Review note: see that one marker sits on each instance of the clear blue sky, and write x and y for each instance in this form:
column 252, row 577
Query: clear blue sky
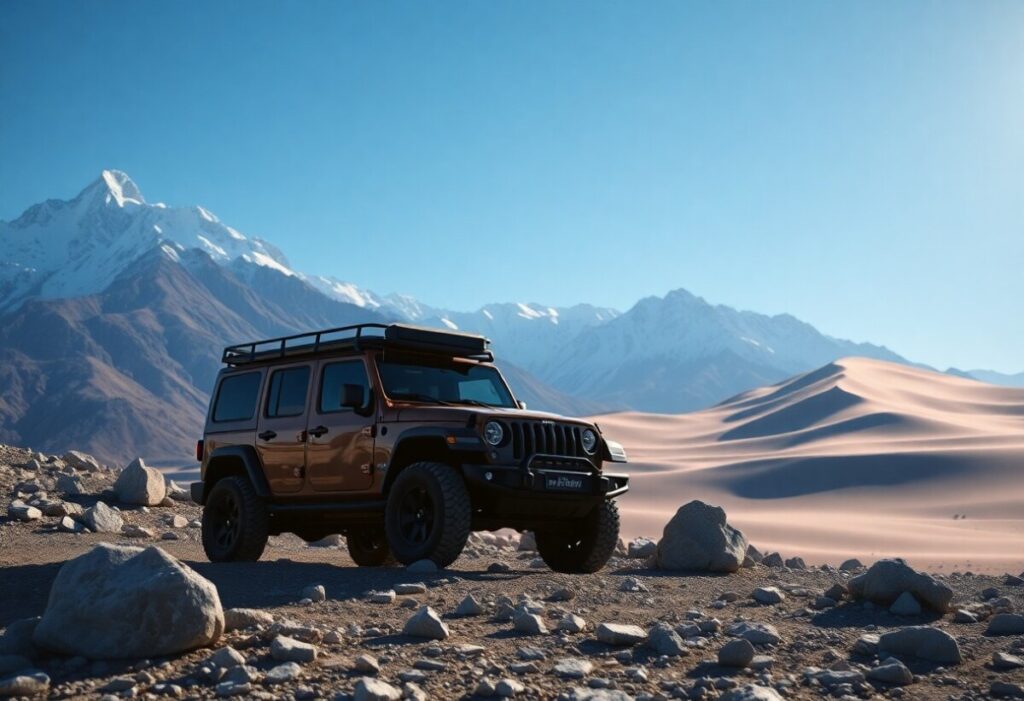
column 857, row 164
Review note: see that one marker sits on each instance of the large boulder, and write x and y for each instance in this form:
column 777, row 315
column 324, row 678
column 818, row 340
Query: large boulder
column 138, row 484
column 922, row 642
column 125, row 602
column 886, row 580
column 698, row 538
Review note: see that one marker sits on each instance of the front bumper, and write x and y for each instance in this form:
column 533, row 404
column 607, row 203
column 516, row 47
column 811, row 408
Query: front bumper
column 546, row 481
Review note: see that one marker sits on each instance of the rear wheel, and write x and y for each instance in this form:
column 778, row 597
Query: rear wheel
column 428, row 514
column 368, row 547
column 235, row 522
column 584, row 548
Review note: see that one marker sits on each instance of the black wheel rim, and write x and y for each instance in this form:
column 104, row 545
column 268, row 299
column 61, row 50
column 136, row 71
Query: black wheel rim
column 416, row 516
column 227, row 522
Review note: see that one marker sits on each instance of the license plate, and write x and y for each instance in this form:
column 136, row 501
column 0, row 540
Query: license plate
column 565, row 483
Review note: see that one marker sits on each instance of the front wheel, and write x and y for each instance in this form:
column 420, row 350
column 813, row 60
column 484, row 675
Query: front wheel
column 368, row 547
column 586, row 547
column 428, row 514
column 235, row 522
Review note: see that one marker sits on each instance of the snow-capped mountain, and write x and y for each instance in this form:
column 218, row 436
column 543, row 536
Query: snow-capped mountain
column 59, row 249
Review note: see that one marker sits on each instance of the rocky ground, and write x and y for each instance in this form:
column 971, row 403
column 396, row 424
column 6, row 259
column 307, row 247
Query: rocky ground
column 304, row 622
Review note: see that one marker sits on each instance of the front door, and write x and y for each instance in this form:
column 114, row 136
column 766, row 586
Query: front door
column 280, row 437
column 340, row 439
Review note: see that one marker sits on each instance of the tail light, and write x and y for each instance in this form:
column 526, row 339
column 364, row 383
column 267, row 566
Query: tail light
column 199, row 450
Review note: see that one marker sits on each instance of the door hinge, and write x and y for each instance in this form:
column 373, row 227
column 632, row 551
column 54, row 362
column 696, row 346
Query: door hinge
column 370, row 430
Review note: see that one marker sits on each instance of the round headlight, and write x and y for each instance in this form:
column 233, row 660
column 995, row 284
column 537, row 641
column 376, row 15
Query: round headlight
column 589, row 440
column 493, row 433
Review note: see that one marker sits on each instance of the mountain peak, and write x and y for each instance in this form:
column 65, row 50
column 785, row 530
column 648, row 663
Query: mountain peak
column 113, row 187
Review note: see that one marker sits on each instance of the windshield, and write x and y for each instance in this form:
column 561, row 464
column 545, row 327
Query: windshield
column 435, row 382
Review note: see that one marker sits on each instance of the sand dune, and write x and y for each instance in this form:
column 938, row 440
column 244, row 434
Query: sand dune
column 860, row 458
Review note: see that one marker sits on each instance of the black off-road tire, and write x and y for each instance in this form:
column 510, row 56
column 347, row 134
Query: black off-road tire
column 368, row 547
column 441, row 534
column 235, row 522
column 583, row 549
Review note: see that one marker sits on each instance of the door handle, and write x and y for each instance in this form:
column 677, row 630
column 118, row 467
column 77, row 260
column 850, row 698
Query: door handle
column 318, row 431
column 268, row 435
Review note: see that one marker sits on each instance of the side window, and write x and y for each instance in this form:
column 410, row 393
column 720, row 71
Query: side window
column 337, row 375
column 287, row 394
column 236, row 397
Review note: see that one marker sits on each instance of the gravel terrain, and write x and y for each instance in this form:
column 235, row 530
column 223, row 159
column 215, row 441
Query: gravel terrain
column 538, row 634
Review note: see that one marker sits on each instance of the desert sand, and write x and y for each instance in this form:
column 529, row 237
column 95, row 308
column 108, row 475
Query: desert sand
column 860, row 458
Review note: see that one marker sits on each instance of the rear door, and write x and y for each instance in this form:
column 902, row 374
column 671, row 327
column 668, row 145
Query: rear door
column 280, row 437
column 340, row 439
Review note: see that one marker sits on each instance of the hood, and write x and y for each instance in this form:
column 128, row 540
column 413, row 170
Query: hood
column 462, row 414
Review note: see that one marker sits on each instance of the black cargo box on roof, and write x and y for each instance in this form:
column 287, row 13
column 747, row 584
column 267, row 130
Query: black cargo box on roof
column 403, row 334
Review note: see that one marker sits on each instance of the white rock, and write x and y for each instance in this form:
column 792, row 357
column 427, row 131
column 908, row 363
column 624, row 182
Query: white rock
column 315, row 593
column 422, row 567
column 367, row 664
column 81, row 461
column 69, row 484
column 26, row 683
column 425, row 623
column 369, row 689
column 751, row 692
column 124, row 602
column 283, row 673
column 469, row 607
column 288, row 649
column 238, row 618
column 620, row 634
column 226, row 658
column 891, row 672
column 529, row 623
column 905, row 605
column 100, row 518
column 20, row 511
column 381, row 597
column 571, row 623
column 138, row 484
column 736, row 653
column 664, row 640
column 757, row 633
column 132, row 530
column 768, row 595
column 573, row 667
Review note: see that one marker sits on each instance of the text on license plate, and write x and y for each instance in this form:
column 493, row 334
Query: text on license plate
column 566, row 482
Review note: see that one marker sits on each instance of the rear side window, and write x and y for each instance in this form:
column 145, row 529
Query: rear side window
column 236, row 398
column 287, row 395
column 334, row 377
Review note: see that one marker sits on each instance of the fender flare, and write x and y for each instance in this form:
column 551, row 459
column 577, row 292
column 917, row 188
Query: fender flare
column 224, row 461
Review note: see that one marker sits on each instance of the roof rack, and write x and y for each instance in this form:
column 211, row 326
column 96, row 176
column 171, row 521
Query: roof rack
column 357, row 337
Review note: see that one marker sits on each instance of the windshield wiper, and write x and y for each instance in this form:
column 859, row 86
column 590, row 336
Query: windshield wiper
column 476, row 402
column 420, row 398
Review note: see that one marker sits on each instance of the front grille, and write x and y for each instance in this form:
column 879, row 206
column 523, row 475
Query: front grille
column 547, row 438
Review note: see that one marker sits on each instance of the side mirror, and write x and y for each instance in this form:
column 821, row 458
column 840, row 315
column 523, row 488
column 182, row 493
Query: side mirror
column 353, row 397
column 522, row 404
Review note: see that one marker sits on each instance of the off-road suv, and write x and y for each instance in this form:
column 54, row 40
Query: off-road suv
column 405, row 440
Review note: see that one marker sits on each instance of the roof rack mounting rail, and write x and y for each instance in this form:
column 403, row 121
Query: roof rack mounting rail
column 355, row 337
